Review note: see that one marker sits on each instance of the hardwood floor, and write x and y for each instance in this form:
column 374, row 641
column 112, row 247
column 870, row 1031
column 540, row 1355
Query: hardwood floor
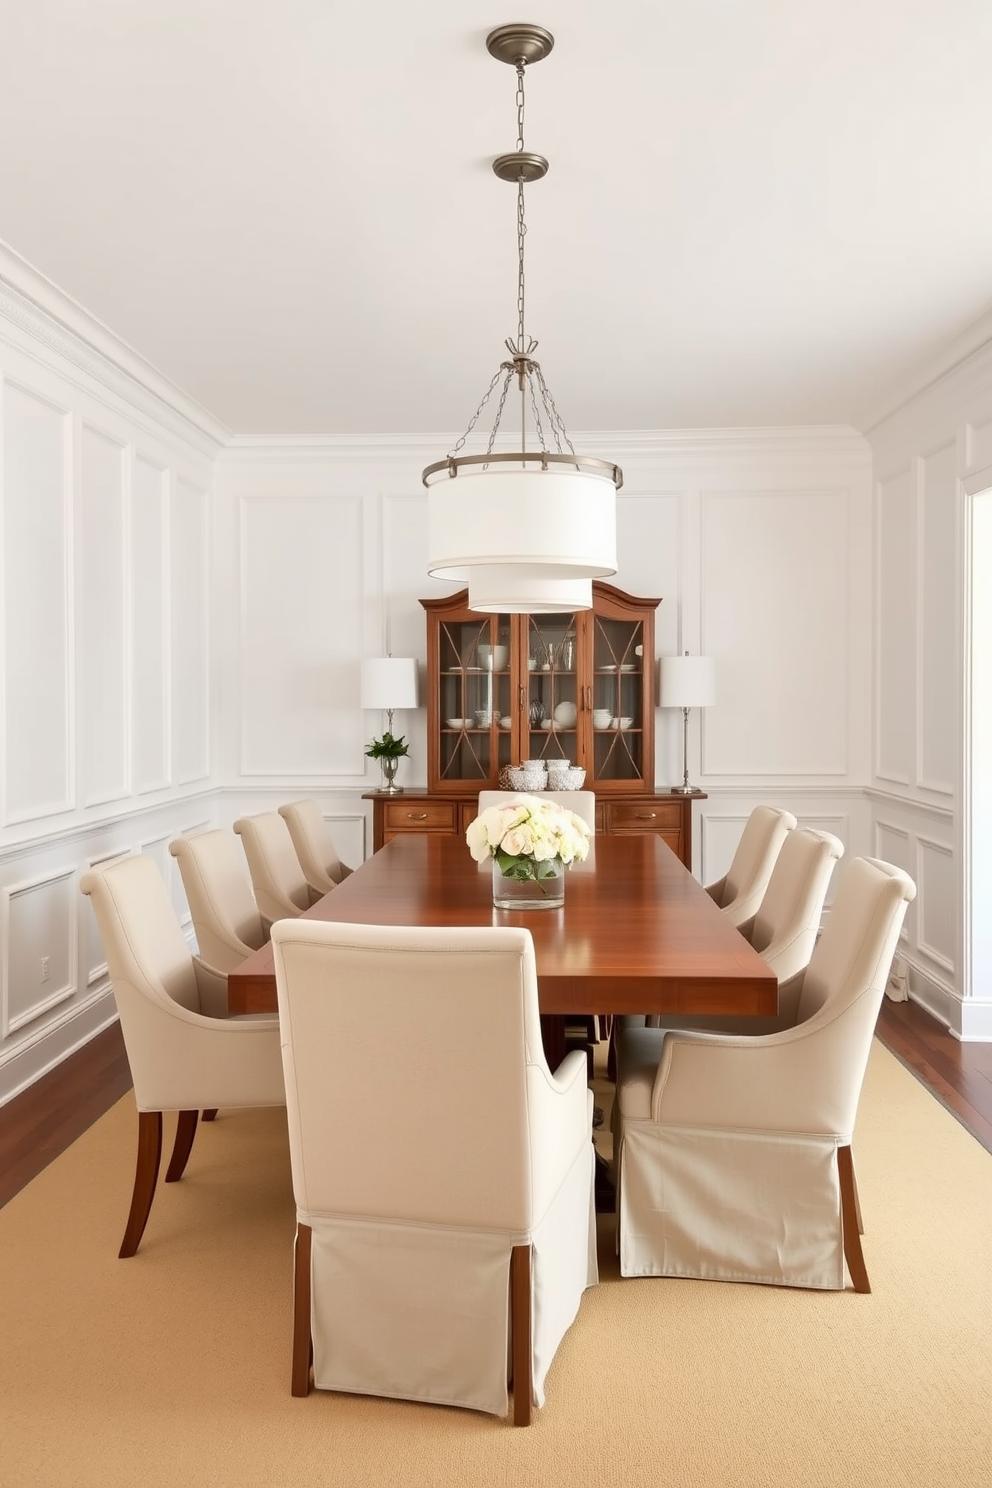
column 47, row 1118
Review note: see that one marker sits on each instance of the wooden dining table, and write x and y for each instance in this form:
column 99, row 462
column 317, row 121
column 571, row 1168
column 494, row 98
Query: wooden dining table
column 637, row 933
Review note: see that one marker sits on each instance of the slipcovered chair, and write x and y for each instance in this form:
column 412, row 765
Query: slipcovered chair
column 226, row 920
column 466, row 1176
column 322, row 868
column 784, row 930
column 733, row 1158
column 583, row 803
column 184, row 1053
column 739, row 892
column 281, row 891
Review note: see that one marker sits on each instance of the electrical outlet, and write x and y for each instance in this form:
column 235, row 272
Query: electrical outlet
column 44, row 968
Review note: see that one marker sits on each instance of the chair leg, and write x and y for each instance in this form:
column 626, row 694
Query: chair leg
column 183, row 1145
column 145, row 1179
column 520, row 1322
column 849, row 1210
column 210, row 1115
column 302, row 1349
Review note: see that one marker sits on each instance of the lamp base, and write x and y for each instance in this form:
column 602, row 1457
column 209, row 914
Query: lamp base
column 685, row 790
column 389, row 790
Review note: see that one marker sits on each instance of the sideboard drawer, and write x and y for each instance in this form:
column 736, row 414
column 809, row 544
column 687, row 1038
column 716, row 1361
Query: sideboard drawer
column 419, row 816
column 651, row 816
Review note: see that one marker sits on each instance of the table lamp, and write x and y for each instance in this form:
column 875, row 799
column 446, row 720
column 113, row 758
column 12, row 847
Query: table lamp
column 686, row 682
column 389, row 682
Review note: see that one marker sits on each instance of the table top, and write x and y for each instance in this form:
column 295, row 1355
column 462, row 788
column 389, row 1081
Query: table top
column 637, row 934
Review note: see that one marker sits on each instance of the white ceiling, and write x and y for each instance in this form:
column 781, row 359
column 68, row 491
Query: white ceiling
column 757, row 212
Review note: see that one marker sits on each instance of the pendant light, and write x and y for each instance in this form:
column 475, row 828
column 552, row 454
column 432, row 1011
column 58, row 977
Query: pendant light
column 528, row 531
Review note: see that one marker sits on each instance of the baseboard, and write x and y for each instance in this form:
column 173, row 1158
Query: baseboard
column 33, row 1060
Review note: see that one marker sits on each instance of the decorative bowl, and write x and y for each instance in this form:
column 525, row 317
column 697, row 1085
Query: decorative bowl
column 454, row 723
column 565, row 715
column 494, row 658
column 506, row 722
column 483, row 717
column 601, row 718
column 575, row 778
column 621, row 723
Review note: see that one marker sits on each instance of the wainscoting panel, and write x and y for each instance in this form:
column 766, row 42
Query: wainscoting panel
column 190, row 635
column 939, row 729
column 778, row 622
column 38, row 753
column 301, row 604
column 102, row 608
column 38, row 924
column 150, row 636
column 936, row 880
column 895, row 668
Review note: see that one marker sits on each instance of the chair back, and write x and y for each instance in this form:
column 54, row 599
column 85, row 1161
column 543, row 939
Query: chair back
column 280, row 888
column 583, row 803
column 226, row 920
column 747, row 877
column 441, row 1029
column 788, row 919
column 314, row 845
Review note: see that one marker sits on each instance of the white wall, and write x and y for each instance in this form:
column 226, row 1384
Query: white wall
column 106, row 713
column 931, row 459
column 756, row 541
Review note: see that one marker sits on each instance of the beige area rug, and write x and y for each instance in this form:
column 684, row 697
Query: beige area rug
column 173, row 1368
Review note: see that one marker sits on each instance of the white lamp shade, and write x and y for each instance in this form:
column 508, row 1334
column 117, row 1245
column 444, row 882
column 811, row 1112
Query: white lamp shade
column 389, row 682
column 499, row 589
column 687, row 682
column 559, row 522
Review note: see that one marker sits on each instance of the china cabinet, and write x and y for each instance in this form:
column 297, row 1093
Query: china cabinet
column 505, row 688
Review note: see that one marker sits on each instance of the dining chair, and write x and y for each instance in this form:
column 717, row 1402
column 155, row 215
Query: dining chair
column 740, row 890
column 226, row 921
column 784, row 931
column 733, row 1153
column 281, row 890
column 318, row 857
column 184, row 1053
column 583, row 803
column 466, row 1175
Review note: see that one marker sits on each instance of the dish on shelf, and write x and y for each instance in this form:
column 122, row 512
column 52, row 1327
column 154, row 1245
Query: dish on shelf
column 494, row 658
column 549, row 725
column 628, row 666
column 474, row 669
column 620, row 723
column 601, row 718
column 455, row 723
column 506, row 722
column 610, row 666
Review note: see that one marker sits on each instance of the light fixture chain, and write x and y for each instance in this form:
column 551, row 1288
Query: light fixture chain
column 502, row 401
column 521, row 224
column 535, row 409
column 477, row 414
column 556, row 418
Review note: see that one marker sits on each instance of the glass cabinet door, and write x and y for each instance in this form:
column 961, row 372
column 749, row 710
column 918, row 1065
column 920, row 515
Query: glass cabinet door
column 618, row 703
column 550, row 662
column 474, row 698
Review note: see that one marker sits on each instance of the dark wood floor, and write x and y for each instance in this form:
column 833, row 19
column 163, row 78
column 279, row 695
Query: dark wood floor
column 36, row 1126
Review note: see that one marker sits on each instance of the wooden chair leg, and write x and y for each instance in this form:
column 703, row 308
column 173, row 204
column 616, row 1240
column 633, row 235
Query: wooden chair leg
column 210, row 1115
column 849, row 1210
column 520, row 1322
column 145, row 1179
column 302, row 1349
column 183, row 1145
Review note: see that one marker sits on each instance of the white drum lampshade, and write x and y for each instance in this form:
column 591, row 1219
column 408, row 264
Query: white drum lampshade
column 389, row 682
column 498, row 589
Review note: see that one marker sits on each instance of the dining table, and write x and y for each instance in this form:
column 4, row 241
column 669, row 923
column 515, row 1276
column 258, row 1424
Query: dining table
column 637, row 933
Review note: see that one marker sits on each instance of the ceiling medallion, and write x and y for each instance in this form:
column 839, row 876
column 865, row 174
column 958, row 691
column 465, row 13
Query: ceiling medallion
column 527, row 530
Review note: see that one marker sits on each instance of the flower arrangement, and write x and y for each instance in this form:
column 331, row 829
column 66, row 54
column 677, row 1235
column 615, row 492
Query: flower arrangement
column 530, row 838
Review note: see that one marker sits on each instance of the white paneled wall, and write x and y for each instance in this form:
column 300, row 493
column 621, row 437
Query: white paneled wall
column 105, row 639
column 932, row 459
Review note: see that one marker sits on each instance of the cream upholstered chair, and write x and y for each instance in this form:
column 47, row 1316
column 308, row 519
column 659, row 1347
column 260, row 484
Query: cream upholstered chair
column 185, row 1054
column 322, row 868
column 467, row 1171
column 583, row 803
column 734, row 1153
column 784, row 930
column 226, row 920
column 281, row 891
column 739, row 892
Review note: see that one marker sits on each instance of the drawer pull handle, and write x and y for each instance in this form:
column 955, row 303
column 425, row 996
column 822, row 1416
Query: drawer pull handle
column 646, row 815
column 416, row 816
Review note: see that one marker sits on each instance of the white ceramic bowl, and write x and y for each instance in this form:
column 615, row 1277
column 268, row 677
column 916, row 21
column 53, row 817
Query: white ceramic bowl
column 506, row 723
column 601, row 718
column 454, row 723
column 574, row 778
column 494, row 658
column 621, row 723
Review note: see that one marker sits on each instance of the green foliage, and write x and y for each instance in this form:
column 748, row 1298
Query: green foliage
column 388, row 747
column 526, row 868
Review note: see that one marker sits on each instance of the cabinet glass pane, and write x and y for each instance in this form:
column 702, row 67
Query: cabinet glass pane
column 473, row 698
column 552, row 687
column 618, row 699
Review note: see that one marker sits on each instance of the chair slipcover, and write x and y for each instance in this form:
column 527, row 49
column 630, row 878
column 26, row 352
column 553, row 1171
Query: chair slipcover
column 184, row 1053
column 281, row 890
column 583, row 803
column 733, row 1152
column 226, row 921
column 318, row 857
column 422, row 1159
column 739, row 892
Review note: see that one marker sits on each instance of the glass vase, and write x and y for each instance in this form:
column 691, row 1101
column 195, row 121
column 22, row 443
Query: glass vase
column 530, row 891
